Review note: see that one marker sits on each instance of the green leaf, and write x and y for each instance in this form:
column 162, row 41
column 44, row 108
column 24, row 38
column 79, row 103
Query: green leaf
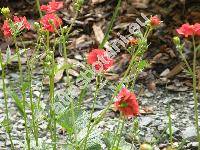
column 8, row 55
column 66, row 120
column 198, row 48
column 95, row 146
column 18, row 102
column 6, row 124
column 25, row 86
column 142, row 64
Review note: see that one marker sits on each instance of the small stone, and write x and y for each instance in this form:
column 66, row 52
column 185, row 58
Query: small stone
column 36, row 93
column 1, row 95
column 189, row 133
column 20, row 127
column 148, row 94
column 146, row 121
column 2, row 144
column 193, row 144
column 78, row 57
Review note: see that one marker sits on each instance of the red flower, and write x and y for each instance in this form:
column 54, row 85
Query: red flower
column 99, row 60
column 50, row 22
column 127, row 103
column 23, row 20
column 52, row 7
column 196, row 27
column 155, row 21
column 186, row 30
column 6, row 29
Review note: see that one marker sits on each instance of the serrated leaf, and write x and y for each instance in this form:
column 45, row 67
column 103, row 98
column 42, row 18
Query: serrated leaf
column 66, row 120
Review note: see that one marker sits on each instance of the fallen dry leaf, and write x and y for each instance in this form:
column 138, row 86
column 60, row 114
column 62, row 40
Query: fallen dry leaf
column 146, row 110
column 165, row 72
column 177, row 69
column 99, row 35
column 94, row 2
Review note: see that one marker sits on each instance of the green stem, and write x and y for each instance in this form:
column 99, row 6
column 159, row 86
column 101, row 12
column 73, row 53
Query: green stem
column 6, row 101
column 38, row 7
column 170, row 124
column 186, row 63
column 35, row 127
column 105, row 39
column 116, row 134
column 51, row 105
column 92, row 111
column 51, row 86
column 64, row 39
column 195, row 93
column 120, row 133
column 23, row 93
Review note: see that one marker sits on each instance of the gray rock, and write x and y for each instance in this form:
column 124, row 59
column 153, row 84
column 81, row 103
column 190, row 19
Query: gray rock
column 78, row 57
column 2, row 144
column 20, row 127
column 146, row 121
column 189, row 133
column 193, row 144
column 148, row 94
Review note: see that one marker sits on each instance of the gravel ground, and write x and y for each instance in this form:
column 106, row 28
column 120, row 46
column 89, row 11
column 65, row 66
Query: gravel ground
column 151, row 125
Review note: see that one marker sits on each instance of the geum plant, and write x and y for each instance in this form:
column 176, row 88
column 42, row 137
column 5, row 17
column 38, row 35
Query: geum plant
column 13, row 28
column 80, row 125
column 192, row 32
column 126, row 101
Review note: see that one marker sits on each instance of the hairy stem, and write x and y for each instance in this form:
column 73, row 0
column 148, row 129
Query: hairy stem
column 120, row 133
column 105, row 39
column 23, row 93
column 6, row 101
column 195, row 93
column 92, row 111
column 38, row 7
column 170, row 124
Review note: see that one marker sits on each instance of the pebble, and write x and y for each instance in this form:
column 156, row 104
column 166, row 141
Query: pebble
column 189, row 133
column 149, row 94
column 78, row 57
column 145, row 121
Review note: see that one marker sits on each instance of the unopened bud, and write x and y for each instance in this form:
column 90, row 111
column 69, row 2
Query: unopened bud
column 5, row 11
column 65, row 29
column 176, row 40
column 78, row 4
column 36, row 25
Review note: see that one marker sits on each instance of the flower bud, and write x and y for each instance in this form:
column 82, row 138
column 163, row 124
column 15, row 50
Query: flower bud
column 176, row 40
column 5, row 11
column 36, row 25
column 65, row 29
column 78, row 4
column 155, row 21
column 146, row 147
